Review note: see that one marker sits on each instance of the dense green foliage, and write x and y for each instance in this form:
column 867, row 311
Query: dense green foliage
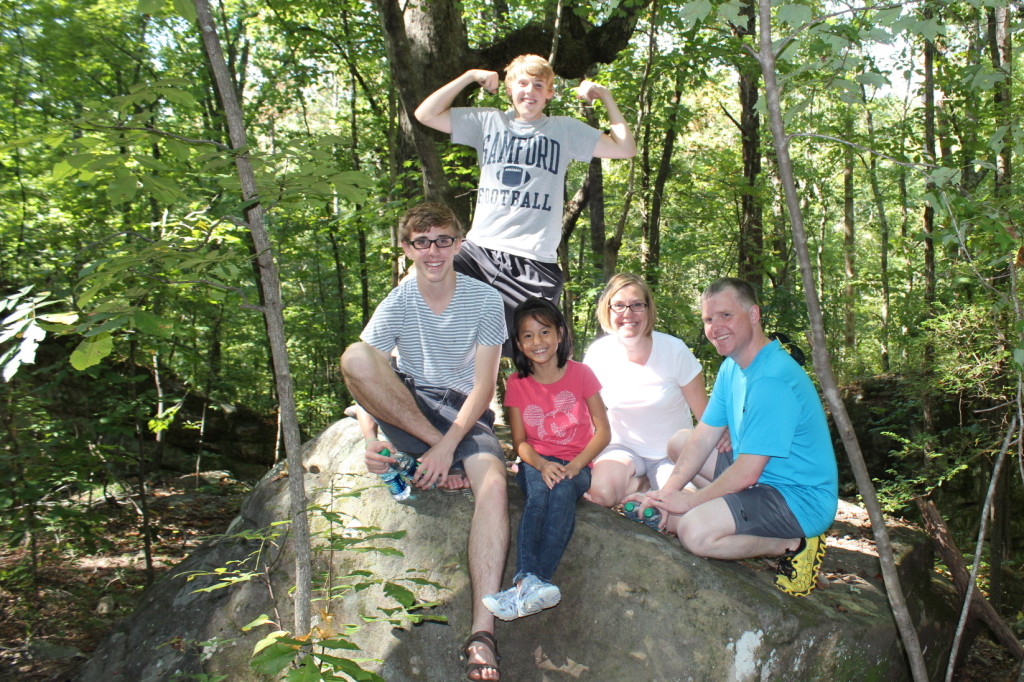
column 121, row 252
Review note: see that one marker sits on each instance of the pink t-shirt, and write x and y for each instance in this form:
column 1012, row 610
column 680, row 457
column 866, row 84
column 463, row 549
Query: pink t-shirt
column 556, row 416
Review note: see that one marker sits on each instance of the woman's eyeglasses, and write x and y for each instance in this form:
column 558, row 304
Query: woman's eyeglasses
column 621, row 307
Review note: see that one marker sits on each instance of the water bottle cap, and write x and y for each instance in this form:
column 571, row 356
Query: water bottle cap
column 649, row 512
column 630, row 506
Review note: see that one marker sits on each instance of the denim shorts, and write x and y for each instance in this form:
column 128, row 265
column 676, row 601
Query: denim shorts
column 440, row 406
column 760, row 510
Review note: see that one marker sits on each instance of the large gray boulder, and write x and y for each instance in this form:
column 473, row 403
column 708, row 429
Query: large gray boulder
column 635, row 605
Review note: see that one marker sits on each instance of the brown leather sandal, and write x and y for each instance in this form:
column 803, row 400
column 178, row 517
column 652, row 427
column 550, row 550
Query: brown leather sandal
column 487, row 640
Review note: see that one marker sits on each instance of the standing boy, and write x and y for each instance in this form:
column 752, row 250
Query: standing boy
column 448, row 330
column 523, row 156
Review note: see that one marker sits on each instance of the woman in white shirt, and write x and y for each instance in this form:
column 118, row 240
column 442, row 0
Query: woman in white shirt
column 651, row 382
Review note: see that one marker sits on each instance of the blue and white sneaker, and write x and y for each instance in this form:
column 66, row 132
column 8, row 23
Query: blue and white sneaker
column 504, row 604
column 535, row 595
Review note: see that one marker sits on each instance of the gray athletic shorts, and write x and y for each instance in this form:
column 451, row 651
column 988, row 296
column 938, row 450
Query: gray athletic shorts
column 759, row 510
column 516, row 278
column 440, row 406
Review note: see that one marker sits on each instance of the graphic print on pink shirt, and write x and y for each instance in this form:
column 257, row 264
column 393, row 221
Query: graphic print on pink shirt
column 559, row 425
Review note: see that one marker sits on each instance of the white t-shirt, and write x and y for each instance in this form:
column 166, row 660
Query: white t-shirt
column 645, row 402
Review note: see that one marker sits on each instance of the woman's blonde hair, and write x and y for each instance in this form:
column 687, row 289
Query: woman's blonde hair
column 616, row 284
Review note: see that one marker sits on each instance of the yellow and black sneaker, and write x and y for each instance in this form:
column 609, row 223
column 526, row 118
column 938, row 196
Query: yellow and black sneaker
column 797, row 573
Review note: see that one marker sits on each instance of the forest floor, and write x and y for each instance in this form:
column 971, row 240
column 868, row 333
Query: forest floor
column 49, row 629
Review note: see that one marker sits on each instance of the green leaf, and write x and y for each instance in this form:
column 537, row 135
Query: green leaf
column 309, row 671
column 176, row 148
column 695, row 12
column 62, row 170
column 177, row 96
column 163, row 189
column 262, row 619
column 944, row 176
column 274, row 658
column 872, row 78
column 148, row 323
column 150, row 6
column 186, row 9
column 122, row 189
column 60, row 318
column 400, row 594
column 731, row 12
column 795, row 14
column 91, row 351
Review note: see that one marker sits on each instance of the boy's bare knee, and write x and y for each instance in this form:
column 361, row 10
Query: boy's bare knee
column 354, row 360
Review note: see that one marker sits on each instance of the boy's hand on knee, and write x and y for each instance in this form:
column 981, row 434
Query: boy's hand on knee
column 434, row 466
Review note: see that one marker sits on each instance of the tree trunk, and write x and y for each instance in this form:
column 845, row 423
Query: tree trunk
column 883, row 225
column 1001, row 50
column 822, row 362
column 928, row 223
column 273, row 315
column 849, row 244
column 426, row 40
column 658, row 191
column 751, row 242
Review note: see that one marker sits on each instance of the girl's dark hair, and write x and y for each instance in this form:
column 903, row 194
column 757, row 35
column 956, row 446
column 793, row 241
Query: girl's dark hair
column 547, row 312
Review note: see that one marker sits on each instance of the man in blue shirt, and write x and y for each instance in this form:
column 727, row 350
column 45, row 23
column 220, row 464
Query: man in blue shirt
column 778, row 495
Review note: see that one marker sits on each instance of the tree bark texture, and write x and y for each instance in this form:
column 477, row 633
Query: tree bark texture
column 980, row 607
column 822, row 362
column 751, row 241
column 272, row 312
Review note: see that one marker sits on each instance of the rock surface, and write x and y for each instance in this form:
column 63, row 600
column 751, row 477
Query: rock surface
column 635, row 605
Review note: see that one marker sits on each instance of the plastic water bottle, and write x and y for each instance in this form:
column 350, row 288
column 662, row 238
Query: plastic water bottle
column 651, row 515
column 407, row 464
column 393, row 478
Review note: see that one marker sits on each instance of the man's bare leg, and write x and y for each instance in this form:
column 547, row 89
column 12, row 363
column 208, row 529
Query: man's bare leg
column 488, row 542
column 709, row 531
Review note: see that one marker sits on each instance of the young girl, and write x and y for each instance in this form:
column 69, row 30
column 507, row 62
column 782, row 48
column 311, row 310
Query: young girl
column 558, row 426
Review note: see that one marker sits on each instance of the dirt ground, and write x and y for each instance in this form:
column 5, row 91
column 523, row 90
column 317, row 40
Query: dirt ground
column 49, row 629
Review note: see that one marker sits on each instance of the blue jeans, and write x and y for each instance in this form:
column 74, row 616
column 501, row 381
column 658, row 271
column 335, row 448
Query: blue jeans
column 549, row 518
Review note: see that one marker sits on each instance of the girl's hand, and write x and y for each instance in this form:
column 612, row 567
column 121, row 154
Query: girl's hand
column 552, row 472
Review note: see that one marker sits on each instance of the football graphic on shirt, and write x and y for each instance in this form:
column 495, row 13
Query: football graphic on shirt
column 513, row 176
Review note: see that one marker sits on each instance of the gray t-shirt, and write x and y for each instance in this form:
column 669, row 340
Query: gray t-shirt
column 522, row 176
column 438, row 350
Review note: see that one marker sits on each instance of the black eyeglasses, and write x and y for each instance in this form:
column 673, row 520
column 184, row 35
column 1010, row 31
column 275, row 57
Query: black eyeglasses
column 621, row 307
column 422, row 243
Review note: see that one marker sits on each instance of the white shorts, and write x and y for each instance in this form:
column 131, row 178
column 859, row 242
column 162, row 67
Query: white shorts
column 656, row 471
